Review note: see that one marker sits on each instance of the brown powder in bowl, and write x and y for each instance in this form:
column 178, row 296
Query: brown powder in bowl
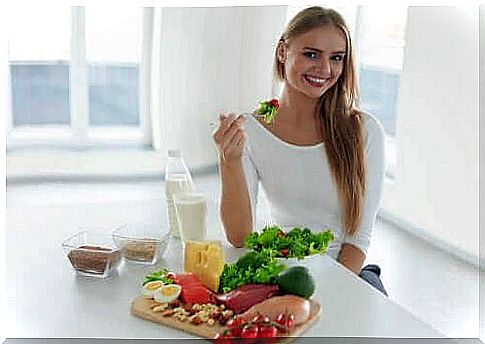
column 94, row 259
column 143, row 251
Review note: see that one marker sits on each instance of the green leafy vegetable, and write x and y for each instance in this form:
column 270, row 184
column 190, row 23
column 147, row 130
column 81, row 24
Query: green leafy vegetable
column 297, row 243
column 251, row 268
column 251, row 259
column 268, row 109
column 160, row 275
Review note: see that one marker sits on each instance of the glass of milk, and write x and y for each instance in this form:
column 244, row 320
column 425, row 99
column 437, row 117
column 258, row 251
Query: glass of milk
column 175, row 184
column 177, row 179
column 191, row 210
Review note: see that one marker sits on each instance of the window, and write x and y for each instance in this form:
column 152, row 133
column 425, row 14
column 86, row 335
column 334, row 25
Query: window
column 381, row 49
column 39, row 66
column 75, row 76
column 113, row 54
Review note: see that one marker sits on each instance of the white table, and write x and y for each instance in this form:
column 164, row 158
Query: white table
column 45, row 298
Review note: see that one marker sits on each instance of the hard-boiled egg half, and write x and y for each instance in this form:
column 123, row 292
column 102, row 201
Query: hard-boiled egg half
column 150, row 288
column 167, row 293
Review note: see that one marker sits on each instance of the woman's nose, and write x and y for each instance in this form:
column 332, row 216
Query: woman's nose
column 325, row 67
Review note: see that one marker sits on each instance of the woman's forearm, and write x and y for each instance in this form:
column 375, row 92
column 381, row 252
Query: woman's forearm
column 351, row 257
column 235, row 203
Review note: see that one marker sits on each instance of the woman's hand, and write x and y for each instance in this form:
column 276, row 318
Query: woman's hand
column 230, row 137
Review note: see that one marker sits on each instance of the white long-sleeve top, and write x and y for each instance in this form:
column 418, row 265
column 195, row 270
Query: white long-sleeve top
column 299, row 186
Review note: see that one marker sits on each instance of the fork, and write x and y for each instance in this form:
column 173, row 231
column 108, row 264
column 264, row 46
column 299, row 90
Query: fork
column 245, row 114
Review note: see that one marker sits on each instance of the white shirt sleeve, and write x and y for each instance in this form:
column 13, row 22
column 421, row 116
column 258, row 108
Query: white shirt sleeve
column 252, row 179
column 375, row 164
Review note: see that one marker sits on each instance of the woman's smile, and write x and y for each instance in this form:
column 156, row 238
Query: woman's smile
column 315, row 81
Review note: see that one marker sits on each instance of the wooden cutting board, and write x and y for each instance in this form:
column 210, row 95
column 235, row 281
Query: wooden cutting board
column 141, row 307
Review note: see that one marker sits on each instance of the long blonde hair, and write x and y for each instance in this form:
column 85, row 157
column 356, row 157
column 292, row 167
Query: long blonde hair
column 341, row 120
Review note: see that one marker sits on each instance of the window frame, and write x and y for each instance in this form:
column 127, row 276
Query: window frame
column 79, row 134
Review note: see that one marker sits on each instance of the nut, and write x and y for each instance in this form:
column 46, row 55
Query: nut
column 168, row 313
column 227, row 313
column 180, row 310
column 196, row 320
column 160, row 308
column 215, row 314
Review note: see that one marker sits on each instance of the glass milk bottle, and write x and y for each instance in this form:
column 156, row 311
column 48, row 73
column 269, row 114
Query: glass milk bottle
column 177, row 180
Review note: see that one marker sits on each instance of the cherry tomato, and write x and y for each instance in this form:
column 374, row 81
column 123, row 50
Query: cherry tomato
column 258, row 318
column 236, row 325
column 267, row 332
column 281, row 319
column 223, row 338
column 290, row 321
column 250, row 331
column 275, row 103
column 284, row 252
column 235, row 322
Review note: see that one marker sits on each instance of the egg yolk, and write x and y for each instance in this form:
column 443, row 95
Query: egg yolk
column 154, row 286
column 169, row 291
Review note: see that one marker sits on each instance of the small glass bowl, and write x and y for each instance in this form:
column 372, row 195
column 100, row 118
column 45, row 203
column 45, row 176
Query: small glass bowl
column 141, row 243
column 92, row 254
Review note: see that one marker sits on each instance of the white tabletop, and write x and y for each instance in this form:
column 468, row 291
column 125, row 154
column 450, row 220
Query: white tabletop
column 45, row 298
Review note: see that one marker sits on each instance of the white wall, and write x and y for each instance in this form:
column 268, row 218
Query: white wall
column 211, row 59
column 262, row 27
column 436, row 186
column 482, row 172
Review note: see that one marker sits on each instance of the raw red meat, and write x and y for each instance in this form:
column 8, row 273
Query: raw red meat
column 246, row 296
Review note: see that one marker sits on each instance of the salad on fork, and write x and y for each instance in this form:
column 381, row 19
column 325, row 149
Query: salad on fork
column 267, row 110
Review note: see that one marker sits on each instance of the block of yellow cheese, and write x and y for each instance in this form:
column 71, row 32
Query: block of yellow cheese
column 205, row 260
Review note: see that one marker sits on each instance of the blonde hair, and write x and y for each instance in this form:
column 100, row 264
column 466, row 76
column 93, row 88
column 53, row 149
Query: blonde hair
column 341, row 120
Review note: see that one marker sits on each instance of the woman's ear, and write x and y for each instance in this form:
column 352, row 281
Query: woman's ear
column 281, row 52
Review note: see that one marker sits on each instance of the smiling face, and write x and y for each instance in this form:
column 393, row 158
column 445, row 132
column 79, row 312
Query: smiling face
column 313, row 61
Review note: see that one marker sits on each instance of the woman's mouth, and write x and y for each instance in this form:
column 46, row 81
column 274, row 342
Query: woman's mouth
column 314, row 80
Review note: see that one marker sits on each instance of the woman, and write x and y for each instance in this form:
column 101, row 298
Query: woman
column 321, row 161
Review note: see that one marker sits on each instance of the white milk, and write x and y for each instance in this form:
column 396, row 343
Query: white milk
column 191, row 211
column 175, row 183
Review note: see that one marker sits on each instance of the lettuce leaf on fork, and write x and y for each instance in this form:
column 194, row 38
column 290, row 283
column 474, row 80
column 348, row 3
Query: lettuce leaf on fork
column 268, row 109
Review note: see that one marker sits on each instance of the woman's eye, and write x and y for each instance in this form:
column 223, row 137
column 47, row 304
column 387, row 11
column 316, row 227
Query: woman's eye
column 310, row 54
column 337, row 58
